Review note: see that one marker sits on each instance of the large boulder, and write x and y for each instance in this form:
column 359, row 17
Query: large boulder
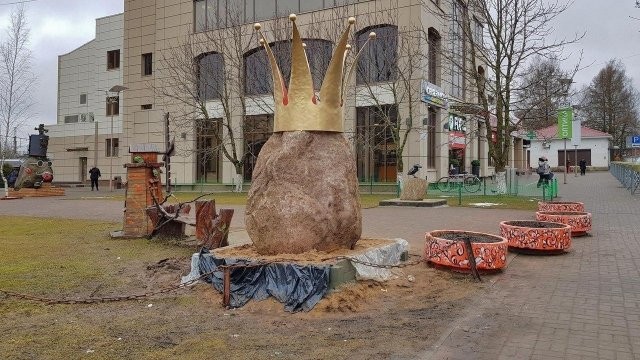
column 304, row 194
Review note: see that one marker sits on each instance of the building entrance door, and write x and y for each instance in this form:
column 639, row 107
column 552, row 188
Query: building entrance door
column 83, row 170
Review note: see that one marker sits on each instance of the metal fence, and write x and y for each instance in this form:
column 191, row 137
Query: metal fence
column 525, row 185
column 628, row 174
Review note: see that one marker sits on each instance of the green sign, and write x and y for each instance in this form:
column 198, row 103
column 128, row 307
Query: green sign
column 531, row 135
column 565, row 118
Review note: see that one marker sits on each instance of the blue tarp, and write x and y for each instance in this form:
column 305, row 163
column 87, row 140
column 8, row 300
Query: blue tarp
column 298, row 287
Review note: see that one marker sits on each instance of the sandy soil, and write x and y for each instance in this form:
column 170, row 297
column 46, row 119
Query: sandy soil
column 396, row 319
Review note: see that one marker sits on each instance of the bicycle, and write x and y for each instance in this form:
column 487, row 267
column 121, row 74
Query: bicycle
column 469, row 182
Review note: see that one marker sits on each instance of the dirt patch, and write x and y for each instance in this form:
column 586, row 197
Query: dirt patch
column 473, row 237
column 249, row 252
column 535, row 224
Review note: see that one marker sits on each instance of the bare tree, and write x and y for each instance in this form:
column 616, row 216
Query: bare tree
column 611, row 103
column 16, row 81
column 491, row 44
column 203, row 85
column 388, row 76
column 541, row 93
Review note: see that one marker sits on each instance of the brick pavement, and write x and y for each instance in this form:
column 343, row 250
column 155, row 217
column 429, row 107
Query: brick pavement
column 582, row 305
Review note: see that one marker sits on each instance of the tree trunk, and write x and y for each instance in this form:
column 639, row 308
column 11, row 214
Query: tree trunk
column 501, row 182
column 238, row 178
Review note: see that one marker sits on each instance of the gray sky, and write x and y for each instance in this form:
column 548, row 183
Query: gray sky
column 59, row 26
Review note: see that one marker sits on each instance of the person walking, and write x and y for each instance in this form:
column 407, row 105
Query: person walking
column 583, row 167
column 568, row 166
column 544, row 171
column 94, row 174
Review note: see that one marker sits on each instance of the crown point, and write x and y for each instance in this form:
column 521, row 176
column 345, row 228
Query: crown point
column 372, row 35
column 304, row 45
column 261, row 41
column 348, row 46
column 257, row 26
column 352, row 20
column 293, row 17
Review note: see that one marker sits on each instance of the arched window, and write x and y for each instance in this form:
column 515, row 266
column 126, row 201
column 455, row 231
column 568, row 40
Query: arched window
column 378, row 62
column 258, row 71
column 210, row 75
column 433, row 38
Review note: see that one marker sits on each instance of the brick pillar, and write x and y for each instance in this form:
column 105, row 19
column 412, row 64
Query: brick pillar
column 140, row 183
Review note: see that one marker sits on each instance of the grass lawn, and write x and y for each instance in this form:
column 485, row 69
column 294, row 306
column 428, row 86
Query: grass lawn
column 58, row 258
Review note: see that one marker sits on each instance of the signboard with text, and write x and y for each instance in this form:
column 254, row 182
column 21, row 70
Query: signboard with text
column 565, row 119
column 433, row 95
column 635, row 141
column 576, row 135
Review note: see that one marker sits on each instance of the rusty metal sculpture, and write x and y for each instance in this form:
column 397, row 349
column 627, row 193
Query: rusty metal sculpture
column 36, row 168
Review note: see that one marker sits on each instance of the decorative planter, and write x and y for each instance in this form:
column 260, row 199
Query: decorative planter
column 447, row 248
column 538, row 236
column 580, row 222
column 560, row 206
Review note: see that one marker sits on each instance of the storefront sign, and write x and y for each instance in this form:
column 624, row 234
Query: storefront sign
column 457, row 140
column 433, row 95
column 635, row 141
column 565, row 118
column 457, row 123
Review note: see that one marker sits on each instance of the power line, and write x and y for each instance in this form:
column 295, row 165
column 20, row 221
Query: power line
column 17, row 2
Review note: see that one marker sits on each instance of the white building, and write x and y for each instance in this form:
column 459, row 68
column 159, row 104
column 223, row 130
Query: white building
column 87, row 109
column 593, row 148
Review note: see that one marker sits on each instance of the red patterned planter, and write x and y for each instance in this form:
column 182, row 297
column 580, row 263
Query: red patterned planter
column 447, row 248
column 539, row 236
column 560, row 206
column 580, row 222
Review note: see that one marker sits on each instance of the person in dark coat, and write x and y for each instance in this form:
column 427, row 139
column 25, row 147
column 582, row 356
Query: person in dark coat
column 94, row 174
column 583, row 167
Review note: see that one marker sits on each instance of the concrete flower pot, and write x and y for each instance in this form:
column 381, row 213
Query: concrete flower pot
column 447, row 248
column 580, row 222
column 536, row 236
column 560, row 206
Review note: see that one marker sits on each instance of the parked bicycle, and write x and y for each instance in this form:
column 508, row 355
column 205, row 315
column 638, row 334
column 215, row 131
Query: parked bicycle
column 469, row 182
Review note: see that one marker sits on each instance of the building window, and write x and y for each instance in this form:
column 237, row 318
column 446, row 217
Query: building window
column 433, row 39
column 208, row 135
column 257, row 130
column 111, row 147
column 378, row 61
column 70, row 119
column 432, row 122
column 146, row 107
column 83, row 99
column 258, row 79
column 375, row 146
column 210, row 76
column 147, row 64
column 113, row 59
column 457, row 50
column 113, row 105
column 478, row 33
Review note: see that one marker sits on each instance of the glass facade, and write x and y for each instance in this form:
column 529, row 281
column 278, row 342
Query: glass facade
column 210, row 76
column 208, row 134
column 377, row 63
column 258, row 71
column 214, row 14
column 375, row 147
column 257, row 130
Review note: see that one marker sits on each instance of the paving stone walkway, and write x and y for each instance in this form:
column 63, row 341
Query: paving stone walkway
column 582, row 305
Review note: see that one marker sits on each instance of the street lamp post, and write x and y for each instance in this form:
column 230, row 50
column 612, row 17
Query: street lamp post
column 115, row 89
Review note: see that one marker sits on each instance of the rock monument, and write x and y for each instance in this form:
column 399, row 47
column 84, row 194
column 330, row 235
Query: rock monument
column 304, row 190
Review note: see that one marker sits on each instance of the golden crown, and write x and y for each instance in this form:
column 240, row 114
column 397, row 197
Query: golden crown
column 298, row 107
